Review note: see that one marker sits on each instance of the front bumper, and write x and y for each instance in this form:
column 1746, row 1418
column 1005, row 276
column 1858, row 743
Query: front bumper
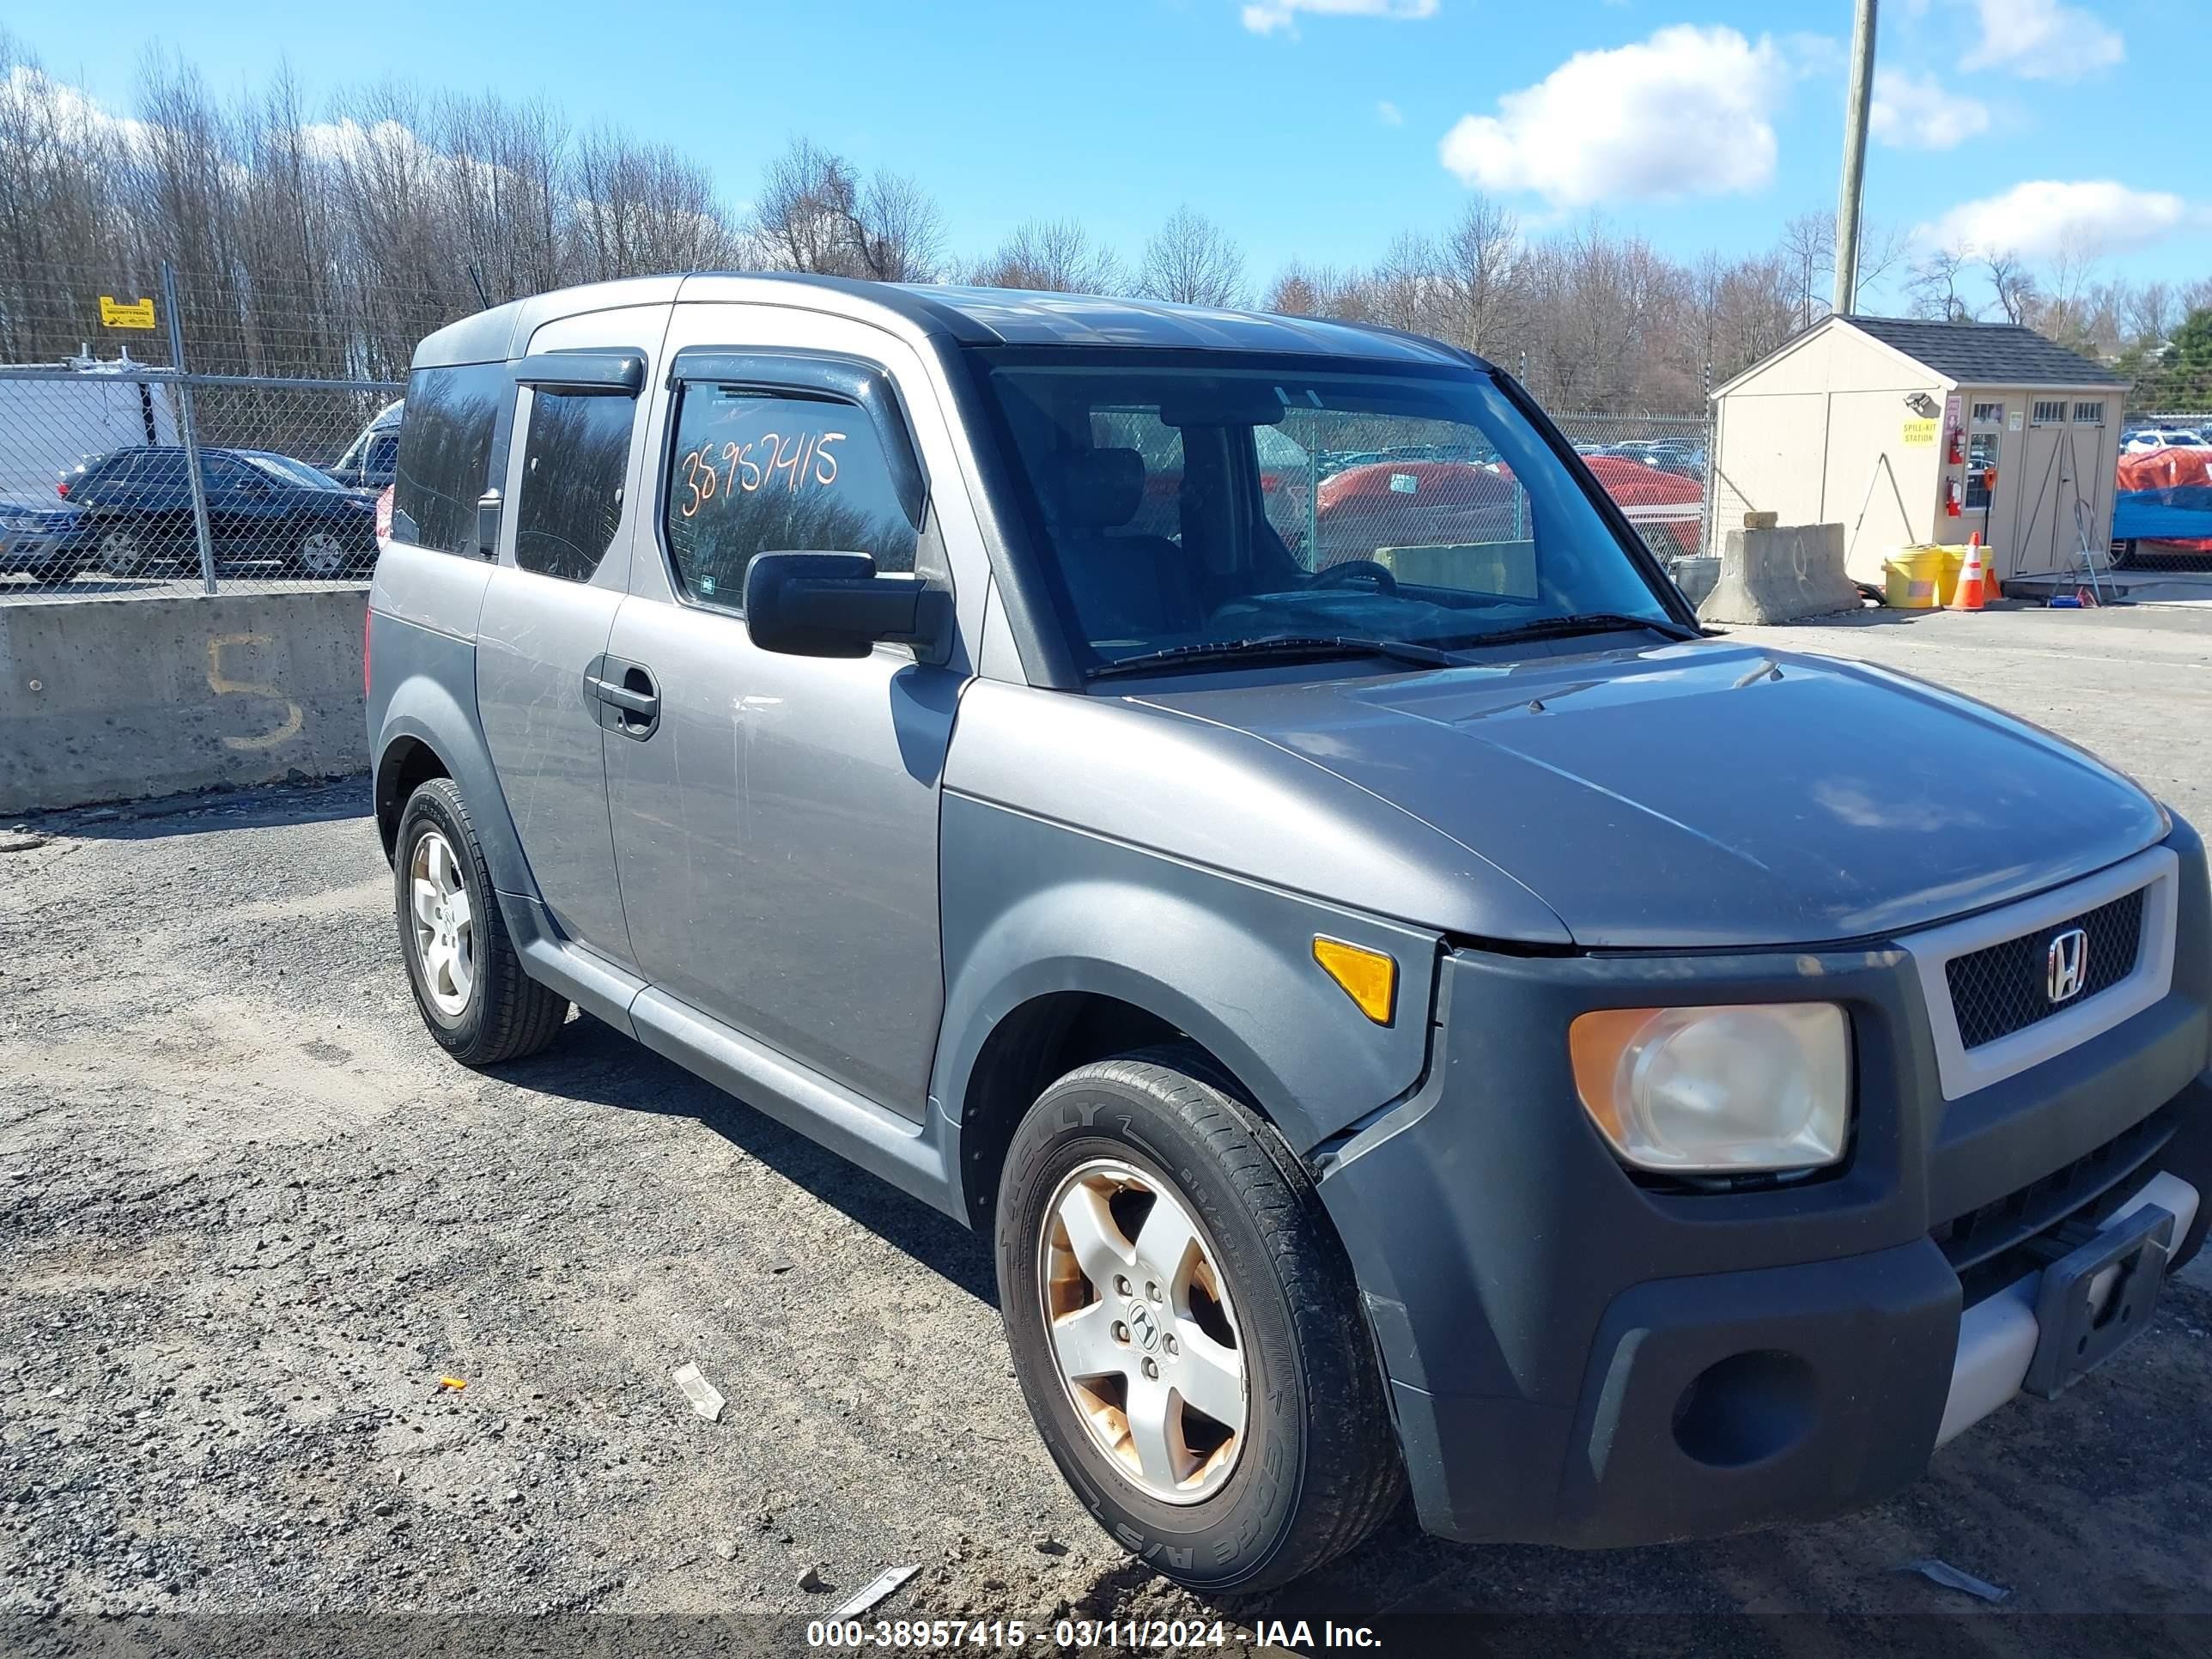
column 40, row 550
column 1576, row 1358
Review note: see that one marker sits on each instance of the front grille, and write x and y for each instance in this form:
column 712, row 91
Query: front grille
column 1990, row 1246
column 2003, row 988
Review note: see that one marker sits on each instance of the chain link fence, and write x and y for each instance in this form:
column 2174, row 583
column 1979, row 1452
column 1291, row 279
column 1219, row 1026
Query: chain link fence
column 1658, row 467
column 154, row 443
column 204, row 437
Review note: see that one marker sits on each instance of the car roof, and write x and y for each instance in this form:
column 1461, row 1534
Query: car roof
column 948, row 314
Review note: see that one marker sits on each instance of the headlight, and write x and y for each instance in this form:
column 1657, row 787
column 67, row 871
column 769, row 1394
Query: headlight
column 1718, row 1090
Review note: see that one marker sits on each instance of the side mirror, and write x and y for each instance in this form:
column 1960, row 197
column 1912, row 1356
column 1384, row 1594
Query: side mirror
column 487, row 525
column 831, row 605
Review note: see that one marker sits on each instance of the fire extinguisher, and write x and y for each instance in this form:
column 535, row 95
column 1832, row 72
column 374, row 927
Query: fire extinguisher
column 1957, row 441
column 1952, row 500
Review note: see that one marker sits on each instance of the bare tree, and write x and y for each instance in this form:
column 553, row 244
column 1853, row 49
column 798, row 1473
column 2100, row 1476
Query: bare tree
column 1882, row 249
column 1937, row 284
column 1476, row 260
column 896, row 232
column 2148, row 313
column 802, row 217
column 1405, row 288
column 2011, row 281
column 1321, row 291
column 1053, row 256
column 815, row 213
column 1808, row 247
column 1191, row 259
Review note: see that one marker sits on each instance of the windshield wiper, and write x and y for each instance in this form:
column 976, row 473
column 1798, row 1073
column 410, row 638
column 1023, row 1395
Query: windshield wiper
column 1582, row 622
column 1290, row 647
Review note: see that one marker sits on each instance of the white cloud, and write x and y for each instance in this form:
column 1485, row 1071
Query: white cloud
column 1266, row 16
column 2045, row 216
column 1684, row 113
column 1918, row 111
column 74, row 113
column 2042, row 40
column 1388, row 114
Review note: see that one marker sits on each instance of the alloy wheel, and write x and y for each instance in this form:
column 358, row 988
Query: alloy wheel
column 121, row 553
column 1142, row 1331
column 444, row 926
column 322, row 553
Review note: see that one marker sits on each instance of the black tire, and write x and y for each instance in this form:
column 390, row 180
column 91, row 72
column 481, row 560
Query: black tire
column 347, row 555
column 507, row 1014
column 1319, row 1469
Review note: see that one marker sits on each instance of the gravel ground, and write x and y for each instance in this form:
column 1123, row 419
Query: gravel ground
column 250, row 1218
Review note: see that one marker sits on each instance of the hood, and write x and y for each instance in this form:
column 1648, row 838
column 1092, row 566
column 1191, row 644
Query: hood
column 1706, row 795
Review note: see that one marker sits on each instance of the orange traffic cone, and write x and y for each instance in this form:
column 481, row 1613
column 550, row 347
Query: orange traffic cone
column 1973, row 580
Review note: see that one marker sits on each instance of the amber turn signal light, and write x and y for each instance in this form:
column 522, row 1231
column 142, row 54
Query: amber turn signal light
column 1368, row 977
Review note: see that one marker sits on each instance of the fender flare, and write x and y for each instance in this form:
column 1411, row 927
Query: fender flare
column 422, row 707
column 1226, row 963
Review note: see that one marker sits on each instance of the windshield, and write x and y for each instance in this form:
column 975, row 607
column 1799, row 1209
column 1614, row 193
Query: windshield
column 285, row 470
column 1192, row 506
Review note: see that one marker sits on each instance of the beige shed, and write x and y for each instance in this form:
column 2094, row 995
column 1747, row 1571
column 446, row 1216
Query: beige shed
column 1906, row 432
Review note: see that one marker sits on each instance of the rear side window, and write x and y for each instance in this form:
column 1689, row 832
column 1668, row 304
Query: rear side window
column 162, row 467
column 569, row 499
column 756, row 472
column 445, row 453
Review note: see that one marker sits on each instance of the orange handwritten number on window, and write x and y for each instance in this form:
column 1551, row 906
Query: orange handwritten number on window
column 802, row 458
column 691, row 482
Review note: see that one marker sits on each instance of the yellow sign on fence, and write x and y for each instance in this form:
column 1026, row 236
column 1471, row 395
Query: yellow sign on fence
column 125, row 313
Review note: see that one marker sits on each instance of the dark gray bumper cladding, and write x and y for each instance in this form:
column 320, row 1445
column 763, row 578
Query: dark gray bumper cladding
column 1576, row 1357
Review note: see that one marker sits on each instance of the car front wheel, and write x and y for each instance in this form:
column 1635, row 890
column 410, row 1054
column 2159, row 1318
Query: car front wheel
column 1186, row 1328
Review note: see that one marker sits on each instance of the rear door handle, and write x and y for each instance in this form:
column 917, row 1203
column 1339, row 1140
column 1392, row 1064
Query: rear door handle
column 628, row 701
column 644, row 704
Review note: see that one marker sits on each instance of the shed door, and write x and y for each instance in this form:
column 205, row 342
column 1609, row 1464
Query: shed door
column 2048, row 478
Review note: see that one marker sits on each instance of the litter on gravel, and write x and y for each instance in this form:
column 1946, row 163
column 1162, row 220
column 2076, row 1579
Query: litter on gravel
column 705, row 1399
column 1943, row 1573
column 875, row 1590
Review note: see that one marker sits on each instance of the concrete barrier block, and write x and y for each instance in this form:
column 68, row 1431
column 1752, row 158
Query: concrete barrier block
column 110, row 699
column 1780, row 576
column 1697, row 575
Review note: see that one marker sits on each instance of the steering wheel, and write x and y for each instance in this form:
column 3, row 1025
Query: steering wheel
column 1354, row 572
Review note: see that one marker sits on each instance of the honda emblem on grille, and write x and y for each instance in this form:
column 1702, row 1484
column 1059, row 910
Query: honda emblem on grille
column 2068, row 965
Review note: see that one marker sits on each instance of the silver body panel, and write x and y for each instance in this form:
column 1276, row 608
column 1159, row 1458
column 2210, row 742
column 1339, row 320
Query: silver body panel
column 535, row 637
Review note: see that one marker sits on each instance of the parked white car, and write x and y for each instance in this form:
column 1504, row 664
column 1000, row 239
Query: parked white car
column 2148, row 439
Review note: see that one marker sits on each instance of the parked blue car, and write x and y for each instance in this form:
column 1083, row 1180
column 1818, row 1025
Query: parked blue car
column 262, row 508
column 44, row 542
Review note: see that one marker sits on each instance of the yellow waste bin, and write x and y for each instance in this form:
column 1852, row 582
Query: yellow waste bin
column 1920, row 577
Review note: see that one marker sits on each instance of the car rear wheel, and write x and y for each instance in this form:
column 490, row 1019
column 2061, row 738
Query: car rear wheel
column 466, row 975
column 1186, row 1328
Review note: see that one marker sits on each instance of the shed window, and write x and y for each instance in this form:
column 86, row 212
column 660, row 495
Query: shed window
column 1989, row 414
column 2049, row 411
column 2089, row 414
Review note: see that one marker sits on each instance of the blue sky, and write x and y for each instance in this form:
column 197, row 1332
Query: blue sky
column 1318, row 128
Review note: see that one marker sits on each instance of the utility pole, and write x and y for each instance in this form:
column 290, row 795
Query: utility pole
column 1854, row 135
